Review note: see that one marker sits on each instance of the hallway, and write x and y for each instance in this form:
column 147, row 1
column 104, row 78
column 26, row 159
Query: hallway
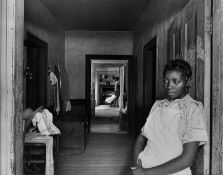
column 106, row 120
column 108, row 154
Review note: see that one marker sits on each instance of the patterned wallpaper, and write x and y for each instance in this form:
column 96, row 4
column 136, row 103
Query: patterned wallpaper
column 78, row 44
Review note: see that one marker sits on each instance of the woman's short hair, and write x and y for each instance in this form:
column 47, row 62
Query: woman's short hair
column 180, row 66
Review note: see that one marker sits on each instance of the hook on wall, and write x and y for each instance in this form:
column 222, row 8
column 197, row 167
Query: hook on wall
column 49, row 69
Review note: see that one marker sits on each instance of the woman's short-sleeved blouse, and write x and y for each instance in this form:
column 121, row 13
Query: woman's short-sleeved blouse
column 192, row 123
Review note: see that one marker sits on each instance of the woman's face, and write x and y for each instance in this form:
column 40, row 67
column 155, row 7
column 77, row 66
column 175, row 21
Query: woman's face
column 175, row 83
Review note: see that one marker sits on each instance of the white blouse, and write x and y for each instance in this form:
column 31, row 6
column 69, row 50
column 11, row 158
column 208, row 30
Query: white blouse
column 169, row 125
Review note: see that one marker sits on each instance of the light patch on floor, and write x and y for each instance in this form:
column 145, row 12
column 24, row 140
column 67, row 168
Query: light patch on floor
column 106, row 128
column 106, row 120
column 106, row 111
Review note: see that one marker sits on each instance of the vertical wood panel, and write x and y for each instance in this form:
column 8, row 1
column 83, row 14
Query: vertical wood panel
column 170, row 44
column 182, row 42
column 207, row 5
column 200, row 78
column 174, row 46
column 18, row 86
column 177, row 43
column 7, row 98
column 217, row 86
column 185, row 37
column 191, row 52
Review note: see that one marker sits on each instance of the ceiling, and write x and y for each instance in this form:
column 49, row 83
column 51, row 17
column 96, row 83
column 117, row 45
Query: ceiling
column 97, row 15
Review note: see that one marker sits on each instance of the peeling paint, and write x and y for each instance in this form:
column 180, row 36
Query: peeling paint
column 200, row 50
column 191, row 55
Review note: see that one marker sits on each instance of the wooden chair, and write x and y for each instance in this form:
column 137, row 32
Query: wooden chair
column 34, row 158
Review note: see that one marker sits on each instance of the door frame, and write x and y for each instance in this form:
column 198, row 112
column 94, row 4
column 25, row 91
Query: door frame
column 149, row 46
column 89, row 59
column 11, row 89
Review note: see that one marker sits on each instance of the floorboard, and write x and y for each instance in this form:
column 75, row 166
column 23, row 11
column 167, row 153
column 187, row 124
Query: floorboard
column 106, row 154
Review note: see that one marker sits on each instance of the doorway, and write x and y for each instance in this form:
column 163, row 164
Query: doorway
column 108, row 85
column 105, row 74
column 149, row 78
column 35, row 71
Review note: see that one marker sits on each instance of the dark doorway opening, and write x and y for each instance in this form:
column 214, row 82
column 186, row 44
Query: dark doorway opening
column 35, row 71
column 149, row 76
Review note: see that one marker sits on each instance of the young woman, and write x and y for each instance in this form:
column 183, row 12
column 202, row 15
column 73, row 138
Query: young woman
column 174, row 128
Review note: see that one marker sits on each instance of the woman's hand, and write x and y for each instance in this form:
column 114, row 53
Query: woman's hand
column 139, row 163
column 139, row 171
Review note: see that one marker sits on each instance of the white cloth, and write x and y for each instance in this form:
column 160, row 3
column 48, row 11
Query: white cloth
column 58, row 66
column 110, row 99
column 48, row 141
column 124, row 110
column 53, row 78
column 68, row 106
column 54, row 81
column 43, row 120
column 166, row 129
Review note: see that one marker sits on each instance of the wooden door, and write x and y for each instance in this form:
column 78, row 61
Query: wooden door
column 186, row 41
column 35, row 72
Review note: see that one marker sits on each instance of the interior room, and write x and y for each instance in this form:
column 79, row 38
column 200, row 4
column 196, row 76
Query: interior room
column 79, row 80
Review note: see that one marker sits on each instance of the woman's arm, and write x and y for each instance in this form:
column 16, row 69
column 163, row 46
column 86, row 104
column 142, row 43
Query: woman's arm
column 139, row 146
column 184, row 161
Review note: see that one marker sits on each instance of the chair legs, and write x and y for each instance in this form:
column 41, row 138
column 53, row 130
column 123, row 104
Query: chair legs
column 34, row 159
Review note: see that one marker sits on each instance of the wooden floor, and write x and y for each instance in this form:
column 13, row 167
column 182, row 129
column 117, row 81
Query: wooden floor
column 106, row 154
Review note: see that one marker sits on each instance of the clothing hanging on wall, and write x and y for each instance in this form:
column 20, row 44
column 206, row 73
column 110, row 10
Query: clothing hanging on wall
column 56, row 99
column 62, row 91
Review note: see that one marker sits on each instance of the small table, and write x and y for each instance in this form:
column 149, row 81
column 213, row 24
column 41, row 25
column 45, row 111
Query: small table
column 48, row 141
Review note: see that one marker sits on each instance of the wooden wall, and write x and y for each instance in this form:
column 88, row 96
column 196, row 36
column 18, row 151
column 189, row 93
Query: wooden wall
column 155, row 22
column 190, row 40
column 217, row 86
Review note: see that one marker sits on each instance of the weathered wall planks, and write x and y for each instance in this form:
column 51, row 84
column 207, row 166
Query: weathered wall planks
column 217, row 85
column 156, row 21
column 180, row 34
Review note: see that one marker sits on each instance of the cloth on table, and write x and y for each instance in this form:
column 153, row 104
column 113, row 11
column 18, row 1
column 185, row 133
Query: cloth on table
column 44, row 121
column 48, row 141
